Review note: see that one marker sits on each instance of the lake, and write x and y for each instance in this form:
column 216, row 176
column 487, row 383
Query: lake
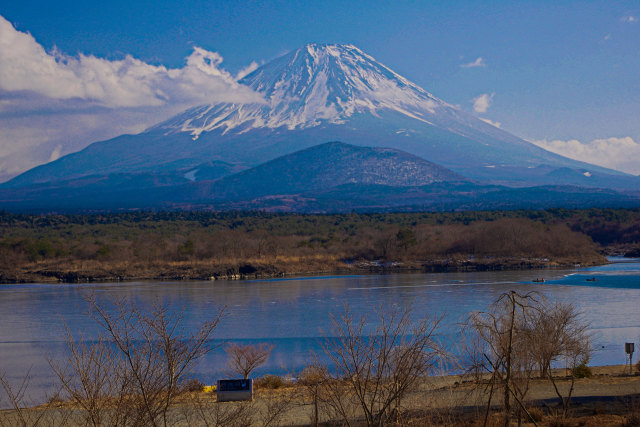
column 294, row 313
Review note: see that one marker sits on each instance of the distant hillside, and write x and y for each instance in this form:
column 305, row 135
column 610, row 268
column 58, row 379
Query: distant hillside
column 330, row 165
column 438, row 197
column 330, row 177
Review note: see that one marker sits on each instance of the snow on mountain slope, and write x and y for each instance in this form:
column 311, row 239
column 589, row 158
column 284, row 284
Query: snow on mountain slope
column 316, row 83
column 344, row 94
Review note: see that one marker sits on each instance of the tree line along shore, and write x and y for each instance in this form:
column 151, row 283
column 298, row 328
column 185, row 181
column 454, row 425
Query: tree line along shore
column 235, row 245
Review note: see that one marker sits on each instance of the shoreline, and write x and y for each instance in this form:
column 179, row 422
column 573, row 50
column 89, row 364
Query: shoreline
column 85, row 272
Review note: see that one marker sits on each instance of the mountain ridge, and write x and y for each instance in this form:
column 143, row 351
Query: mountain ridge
column 330, row 177
column 315, row 94
column 330, row 165
column 312, row 95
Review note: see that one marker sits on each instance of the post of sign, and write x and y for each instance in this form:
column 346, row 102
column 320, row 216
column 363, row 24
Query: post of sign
column 628, row 348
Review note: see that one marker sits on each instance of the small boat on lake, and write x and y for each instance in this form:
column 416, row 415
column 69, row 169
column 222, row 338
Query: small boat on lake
column 593, row 279
column 538, row 280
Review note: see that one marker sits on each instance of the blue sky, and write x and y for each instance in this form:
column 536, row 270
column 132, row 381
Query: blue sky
column 563, row 74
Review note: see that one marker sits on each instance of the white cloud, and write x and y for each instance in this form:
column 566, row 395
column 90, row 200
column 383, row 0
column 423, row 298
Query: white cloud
column 622, row 154
column 129, row 82
column 52, row 104
column 479, row 62
column 482, row 103
column 491, row 122
column 629, row 19
column 247, row 70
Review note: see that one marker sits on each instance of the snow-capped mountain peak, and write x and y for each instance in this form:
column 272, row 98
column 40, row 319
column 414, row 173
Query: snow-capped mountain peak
column 311, row 96
column 314, row 84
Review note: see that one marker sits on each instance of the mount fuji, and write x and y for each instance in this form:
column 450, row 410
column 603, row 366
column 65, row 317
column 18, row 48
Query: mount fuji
column 311, row 96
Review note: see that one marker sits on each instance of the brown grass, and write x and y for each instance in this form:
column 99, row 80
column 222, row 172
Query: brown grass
column 439, row 401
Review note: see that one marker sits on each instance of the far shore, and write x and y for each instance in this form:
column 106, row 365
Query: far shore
column 73, row 271
column 174, row 246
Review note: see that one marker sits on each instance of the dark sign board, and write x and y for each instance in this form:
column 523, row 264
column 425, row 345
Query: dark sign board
column 628, row 347
column 235, row 390
column 234, row 385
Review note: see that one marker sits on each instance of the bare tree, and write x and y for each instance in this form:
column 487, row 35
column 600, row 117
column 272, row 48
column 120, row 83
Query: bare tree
column 15, row 397
column 520, row 334
column 91, row 376
column 312, row 378
column 23, row 411
column 374, row 371
column 136, row 369
column 275, row 408
column 244, row 359
column 559, row 333
column 500, row 348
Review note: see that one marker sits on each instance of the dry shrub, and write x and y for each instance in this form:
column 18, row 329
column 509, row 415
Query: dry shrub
column 271, row 382
column 23, row 411
column 557, row 332
column 134, row 372
column 311, row 379
column 582, row 371
column 558, row 419
column 194, row 385
column 275, row 408
column 498, row 346
column 372, row 371
column 537, row 414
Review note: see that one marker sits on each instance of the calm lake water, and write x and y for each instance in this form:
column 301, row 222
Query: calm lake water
column 293, row 314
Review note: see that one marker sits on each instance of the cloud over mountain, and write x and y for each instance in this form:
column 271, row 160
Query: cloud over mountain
column 479, row 62
column 617, row 153
column 482, row 102
column 128, row 82
column 108, row 97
